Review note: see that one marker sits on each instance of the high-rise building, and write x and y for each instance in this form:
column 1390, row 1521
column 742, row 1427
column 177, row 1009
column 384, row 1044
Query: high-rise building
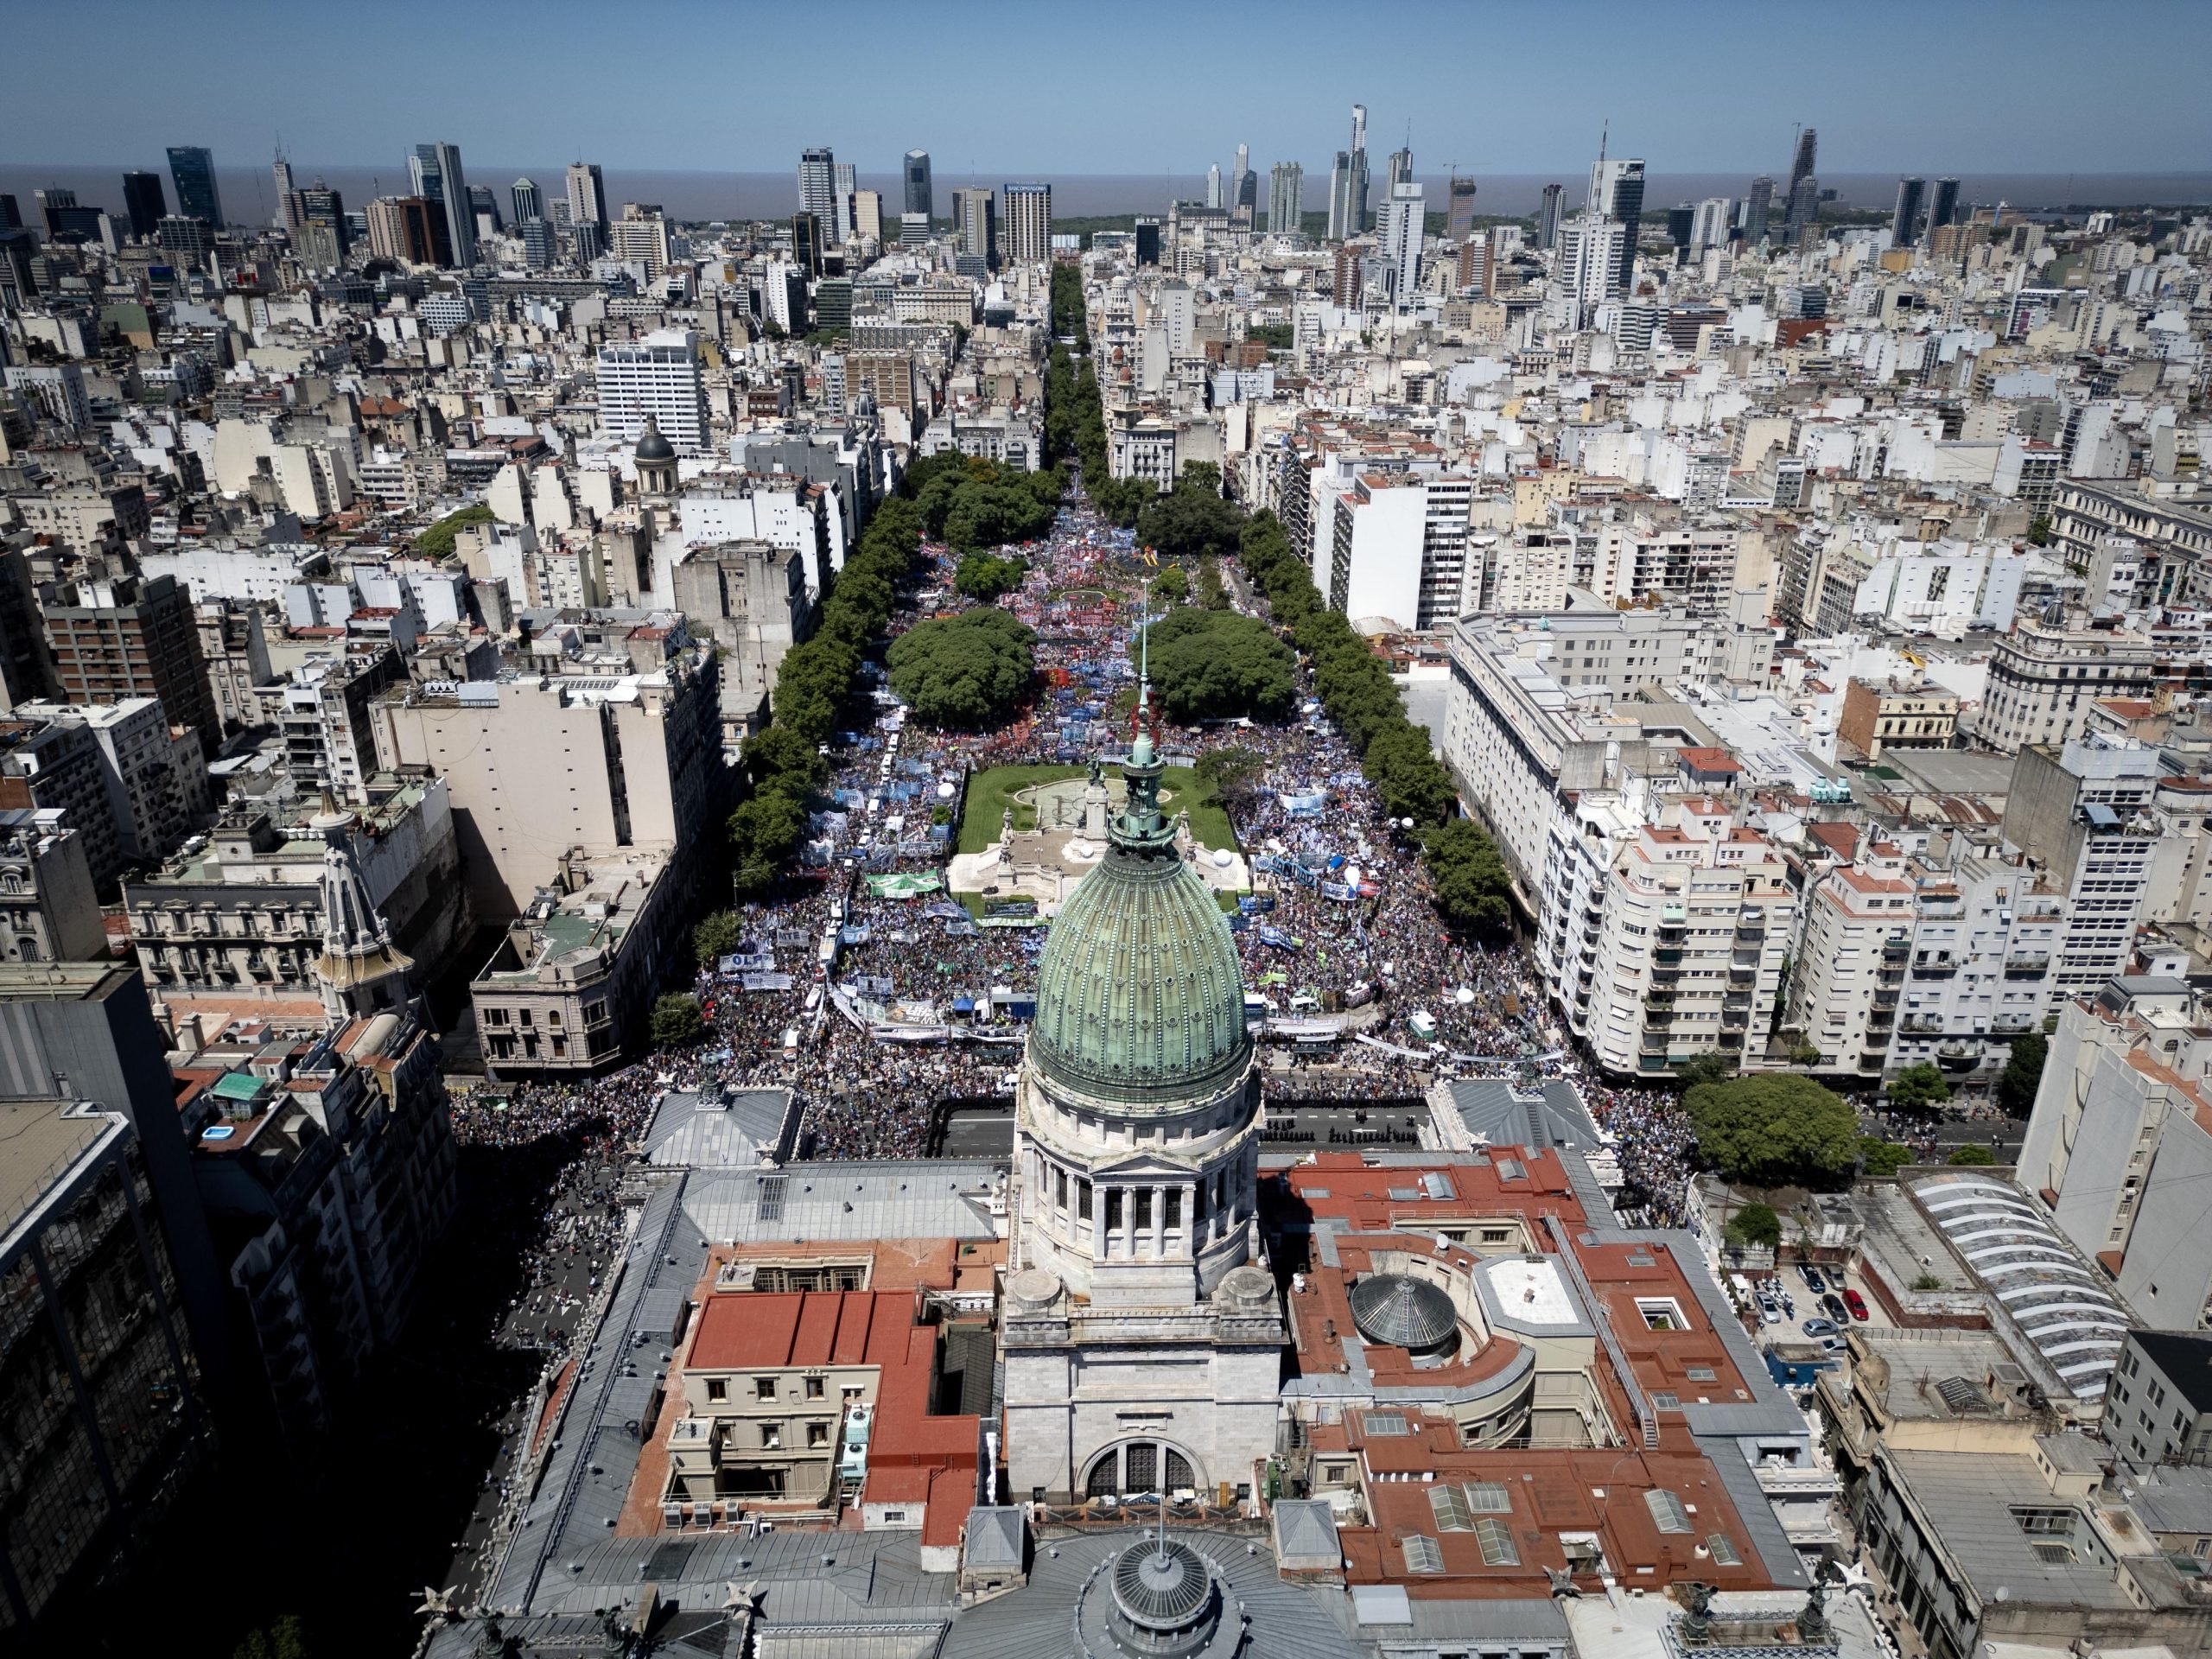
column 320, row 207
column 1400, row 170
column 587, row 197
column 641, row 236
column 659, row 379
column 976, row 214
column 537, row 243
column 1804, row 207
column 143, row 203
column 484, row 210
column 1028, row 222
column 1617, row 192
column 921, row 194
column 1806, row 158
column 527, row 203
column 1213, row 184
column 434, row 169
column 1588, row 272
column 192, row 170
column 135, row 637
column 1404, row 214
column 1243, row 187
column 1548, row 216
column 844, row 184
column 1148, row 241
column 1709, row 223
column 1758, row 205
column 1348, row 182
column 817, row 188
column 1944, row 208
column 1286, row 196
column 1459, row 208
column 806, row 243
column 409, row 229
column 65, row 216
column 1346, row 281
column 1904, row 223
column 288, row 200
column 868, row 215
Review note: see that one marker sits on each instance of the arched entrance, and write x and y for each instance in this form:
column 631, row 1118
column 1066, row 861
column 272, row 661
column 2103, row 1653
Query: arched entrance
column 1129, row 1467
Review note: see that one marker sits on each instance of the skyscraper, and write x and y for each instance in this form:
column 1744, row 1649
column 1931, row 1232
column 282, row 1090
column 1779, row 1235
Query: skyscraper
column 1286, row 196
column 528, row 204
column 806, row 243
column 1213, row 184
column 143, row 203
column 1028, row 222
column 434, row 169
column 1806, row 158
column 320, row 205
column 1339, row 195
column 1943, row 209
column 1459, row 208
column 192, row 170
column 1400, row 170
column 1804, row 208
column 1348, row 182
column 1405, row 212
column 976, row 214
column 844, row 185
column 817, row 187
column 587, row 197
column 921, row 195
column 1617, row 192
column 1244, row 187
column 288, row 201
column 1757, row 207
column 1904, row 223
column 1547, row 217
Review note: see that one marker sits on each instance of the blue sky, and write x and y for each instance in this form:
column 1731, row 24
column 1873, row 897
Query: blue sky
column 1942, row 85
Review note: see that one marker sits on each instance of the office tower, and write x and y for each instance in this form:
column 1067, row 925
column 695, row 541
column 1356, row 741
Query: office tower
column 189, row 242
column 410, row 229
column 868, row 215
column 423, row 175
column 320, row 204
column 136, row 637
column 1757, row 207
column 1028, row 222
column 1344, row 288
column 976, row 214
column 1805, row 158
column 1400, row 170
column 914, row 230
column 288, row 201
column 143, row 203
column 192, row 170
column 1459, row 208
column 1904, row 223
column 537, row 243
column 640, row 237
column 1944, row 208
column 483, row 209
column 586, row 241
column 435, row 169
column 1681, row 226
column 528, row 205
column 1339, row 195
column 1244, row 187
column 1213, row 184
column 817, row 187
column 1286, row 196
column 921, row 194
column 659, row 379
column 1404, row 213
column 1804, row 206
column 1547, row 217
column 1147, row 241
column 65, row 218
column 806, row 243
column 844, row 184
column 1355, row 205
column 1617, row 192
column 1709, row 223
column 11, row 215
column 588, row 199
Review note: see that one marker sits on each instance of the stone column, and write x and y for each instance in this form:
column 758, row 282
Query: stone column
column 1159, row 1222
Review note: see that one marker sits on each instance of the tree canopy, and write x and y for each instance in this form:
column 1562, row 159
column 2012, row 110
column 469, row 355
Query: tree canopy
column 1172, row 584
column 1472, row 887
column 986, row 576
column 437, row 542
column 1218, row 665
column 716, row 937
column 971, row 503
column 963, row 672
column 1883, row 1158
column 1755, row 1224
column 1773, row 1128
column 1232, row 772
column 2023, row 1074
column 1918, row 1089
column 676, row 1022
column 1192, row 520
column 1971, row 1157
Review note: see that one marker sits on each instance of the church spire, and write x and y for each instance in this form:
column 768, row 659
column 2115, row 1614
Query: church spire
column 360, row 970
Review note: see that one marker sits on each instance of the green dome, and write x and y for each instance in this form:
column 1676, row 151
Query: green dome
column 1140, row 993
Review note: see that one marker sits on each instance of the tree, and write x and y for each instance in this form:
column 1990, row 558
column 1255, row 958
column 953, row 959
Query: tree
column 1191, row 521
column 2023, row 1074
column 1232, row 772
column 437, row 542
column 1971, row 1157
column 1408, row 778
column 779, row 759
column 963, row 672
column 1918, row 1089
column 716, row 937
column 1276, row 336
column 285, row 1639
column 1883, row 1158
column 1755, row 1225
column 1217, row 665
column 1711, row 1066
column 1172, row 584
column 2040, row 530
column 1773, row 1129
column 1473, row 888
column 676, row 1022
column 764, row 832
column 1212, row 594
column 985, row 576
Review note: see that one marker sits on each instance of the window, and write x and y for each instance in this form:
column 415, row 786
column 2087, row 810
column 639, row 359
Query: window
column 1379, row 1423
column 1700, row 1373
column 1423, row 1553
column 1449, row 1504
column 1667, row 1513
column 1081, row 1199
column 815, row 1388
column 1489, row 1498
column 818, row 1434
column 1496, row 1543
column 771, row 1437
column 717, row 1388
column 1662, row 1314
column 764, row 1388
column 1725, row 1553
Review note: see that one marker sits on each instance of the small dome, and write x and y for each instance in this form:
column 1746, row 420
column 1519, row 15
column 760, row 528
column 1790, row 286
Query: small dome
column 1398, row 1312
column 652, row 445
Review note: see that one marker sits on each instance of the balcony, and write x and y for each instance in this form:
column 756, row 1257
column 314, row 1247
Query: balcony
column 1958, row 1057
column 1935, row 969
column 1667, row 955
column 1674, row 915
column 1650, row 1062
column 1886, row 999
column 1740, row 978
column 1896, row 950
column 1753, row 934
column 1921, row 1024
column 2027, row 967
column 1731, row 1039
column 2013, row 1024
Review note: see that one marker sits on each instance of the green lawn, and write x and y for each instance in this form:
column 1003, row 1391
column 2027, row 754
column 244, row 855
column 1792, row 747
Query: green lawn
column 989, row 793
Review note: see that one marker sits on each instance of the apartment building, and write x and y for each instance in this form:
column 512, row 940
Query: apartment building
column 155, row 774
column 2042, row 677
column 1894, row 715
column 2174, row 534
column 1985, row 954
column 329, row 738
column 2158, row 1407
column 135, row 637
column 48, row 910
column 1851, row 967
column 2084, row 813
column 660, row 377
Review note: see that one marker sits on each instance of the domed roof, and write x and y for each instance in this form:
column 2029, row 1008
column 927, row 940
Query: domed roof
column 652, row 445
column 1162, row 1584
column 1400, row 1312
column 1140, row 993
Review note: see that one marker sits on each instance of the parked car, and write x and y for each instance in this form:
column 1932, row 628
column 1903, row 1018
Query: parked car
column 1813, row 1283
column 1769, row 1311
column 1819, row 1327
column 1855, row 1302
column 1832, row 1305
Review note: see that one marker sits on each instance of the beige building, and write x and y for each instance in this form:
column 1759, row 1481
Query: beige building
column 1896, row 716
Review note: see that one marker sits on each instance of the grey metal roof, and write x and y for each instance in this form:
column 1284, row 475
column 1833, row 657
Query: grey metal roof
column 1289, row 1621
column 916, row 1197
column 1968, row 1499
column 1403, row 1312
column 1305, row 1534
column 997, row 1536
column 722, row 1129
column 1496, row 1111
